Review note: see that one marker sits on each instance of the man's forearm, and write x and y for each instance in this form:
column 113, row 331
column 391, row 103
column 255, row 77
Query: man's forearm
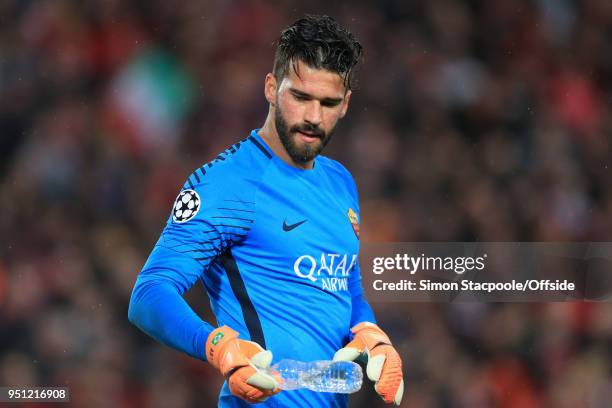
column 158, row 308
column 362, row 312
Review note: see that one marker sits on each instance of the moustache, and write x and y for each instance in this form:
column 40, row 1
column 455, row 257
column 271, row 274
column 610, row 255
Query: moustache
column 310, row 130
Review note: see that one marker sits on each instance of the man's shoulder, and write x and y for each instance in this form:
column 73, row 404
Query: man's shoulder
column 236, row 167
column 334, row 168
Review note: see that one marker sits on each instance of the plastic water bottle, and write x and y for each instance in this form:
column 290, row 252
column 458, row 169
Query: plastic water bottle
column 342, row 377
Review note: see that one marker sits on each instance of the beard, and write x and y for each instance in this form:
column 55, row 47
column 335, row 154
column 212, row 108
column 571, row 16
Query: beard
column 301, row 153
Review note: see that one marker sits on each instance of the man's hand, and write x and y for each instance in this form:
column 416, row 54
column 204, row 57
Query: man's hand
column 384, row 365
column 239, row 360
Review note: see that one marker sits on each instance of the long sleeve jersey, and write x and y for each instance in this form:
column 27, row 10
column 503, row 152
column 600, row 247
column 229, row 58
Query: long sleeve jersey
column 276, row 248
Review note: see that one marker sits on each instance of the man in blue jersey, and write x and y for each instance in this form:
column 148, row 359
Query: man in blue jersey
column 271, row 228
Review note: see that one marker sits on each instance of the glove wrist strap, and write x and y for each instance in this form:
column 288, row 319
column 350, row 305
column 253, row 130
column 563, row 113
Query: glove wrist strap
column 371, row 335
column 221, row 347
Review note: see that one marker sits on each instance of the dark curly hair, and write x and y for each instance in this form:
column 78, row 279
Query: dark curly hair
column 320, row 42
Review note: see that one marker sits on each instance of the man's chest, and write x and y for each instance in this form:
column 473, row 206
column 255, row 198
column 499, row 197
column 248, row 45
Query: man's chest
column 304, row 233
column 303, row 219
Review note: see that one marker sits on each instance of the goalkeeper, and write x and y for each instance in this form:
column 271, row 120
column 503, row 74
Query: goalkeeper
column 271, row 228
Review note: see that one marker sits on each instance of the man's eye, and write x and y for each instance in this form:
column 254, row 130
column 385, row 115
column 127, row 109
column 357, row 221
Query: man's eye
column 300, row 98
column 330, row 104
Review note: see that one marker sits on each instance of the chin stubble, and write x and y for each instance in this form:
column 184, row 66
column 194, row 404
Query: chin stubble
column 287, row 136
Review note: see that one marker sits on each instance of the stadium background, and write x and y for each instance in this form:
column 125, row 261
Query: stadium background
column 474, row 120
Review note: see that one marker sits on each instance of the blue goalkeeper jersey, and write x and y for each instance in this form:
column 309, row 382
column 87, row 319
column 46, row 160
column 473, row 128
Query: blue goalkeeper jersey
column 276, row 249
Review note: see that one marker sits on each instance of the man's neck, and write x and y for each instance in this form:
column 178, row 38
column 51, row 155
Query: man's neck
column 269, row 134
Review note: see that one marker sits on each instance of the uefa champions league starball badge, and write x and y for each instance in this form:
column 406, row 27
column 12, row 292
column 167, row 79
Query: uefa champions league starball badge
column 186, row 206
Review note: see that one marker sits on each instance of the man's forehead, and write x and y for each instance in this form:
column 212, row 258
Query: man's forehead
column 313, row 80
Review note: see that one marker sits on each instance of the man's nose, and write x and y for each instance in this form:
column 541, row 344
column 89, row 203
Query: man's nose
column 314, row 113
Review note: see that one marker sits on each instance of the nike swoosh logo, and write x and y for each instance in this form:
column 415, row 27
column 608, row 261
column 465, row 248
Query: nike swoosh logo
column 288, row 228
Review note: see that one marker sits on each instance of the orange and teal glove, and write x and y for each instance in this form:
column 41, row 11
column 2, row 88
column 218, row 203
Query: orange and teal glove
column 239, row 361
column 384, row 365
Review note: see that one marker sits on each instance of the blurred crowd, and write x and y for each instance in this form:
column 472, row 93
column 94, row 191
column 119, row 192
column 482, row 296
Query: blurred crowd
column 474, row 120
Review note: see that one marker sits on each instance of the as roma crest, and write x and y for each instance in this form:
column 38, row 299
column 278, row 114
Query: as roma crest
column 352, row 216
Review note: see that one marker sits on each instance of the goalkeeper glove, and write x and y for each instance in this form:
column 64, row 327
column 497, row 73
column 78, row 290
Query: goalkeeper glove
column 384, row 365
column 239, row 360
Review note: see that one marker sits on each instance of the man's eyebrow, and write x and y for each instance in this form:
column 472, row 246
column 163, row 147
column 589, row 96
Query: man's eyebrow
column 297, row 92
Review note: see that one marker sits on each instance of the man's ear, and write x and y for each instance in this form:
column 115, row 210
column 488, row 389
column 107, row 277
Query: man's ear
column 345, row 103
column 270, row 88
